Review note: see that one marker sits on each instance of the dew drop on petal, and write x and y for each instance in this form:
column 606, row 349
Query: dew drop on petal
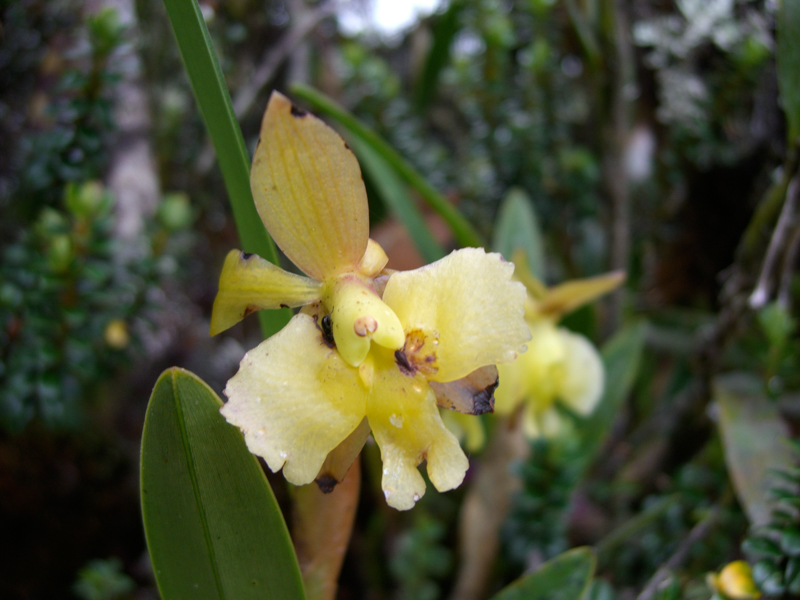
column 282, row 454
column 416, row 497
column 396, row 420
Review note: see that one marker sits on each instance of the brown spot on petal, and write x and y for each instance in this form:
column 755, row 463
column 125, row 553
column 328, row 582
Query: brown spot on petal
column 246, row 255
column 326, row 483
column 250, row 309
column 416, row 355
column 298, row 112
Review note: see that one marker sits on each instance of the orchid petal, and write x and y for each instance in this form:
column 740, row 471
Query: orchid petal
column 295, row 400
column 467, row 307
column 406, row 425
column 571, row 295
column 584, row 377
column 249, row 283
column 308, row 191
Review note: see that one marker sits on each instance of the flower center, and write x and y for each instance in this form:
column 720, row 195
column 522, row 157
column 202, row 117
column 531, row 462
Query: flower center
column 359, row 316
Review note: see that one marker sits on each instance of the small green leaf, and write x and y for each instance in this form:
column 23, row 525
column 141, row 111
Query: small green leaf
column 518, row 227
column 788, row 23
column 755, row 442
column 792, row 575
column 213, row 527
column 790, row 541
column 565, row 577
column 759, row 546
column 393, row 193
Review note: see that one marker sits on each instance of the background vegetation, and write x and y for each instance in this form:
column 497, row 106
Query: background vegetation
column 656, row 137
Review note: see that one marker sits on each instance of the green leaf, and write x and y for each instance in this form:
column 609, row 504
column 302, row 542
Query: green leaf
column 565, row 577
column 214, row 101
column 788, row 24
column 755, row 442
column 462, row 229
column 518, row 227
column 444, row 31
column 393, row 193
column 213, row 527
column 622, row 356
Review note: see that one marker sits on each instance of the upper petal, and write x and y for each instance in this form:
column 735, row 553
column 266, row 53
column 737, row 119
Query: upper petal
column 295, row 400
column 469, row 310
column 308, row 190
column 249, row 283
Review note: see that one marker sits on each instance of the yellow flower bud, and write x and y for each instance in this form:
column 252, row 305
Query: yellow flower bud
column 116, row 334
column 735, row 581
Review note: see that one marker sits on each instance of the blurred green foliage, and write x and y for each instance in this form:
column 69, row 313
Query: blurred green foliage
column 103, row 580
column 774, row 549
column 72, row 305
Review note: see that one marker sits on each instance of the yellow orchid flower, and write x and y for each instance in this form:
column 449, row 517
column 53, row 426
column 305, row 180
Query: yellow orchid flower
column 559, row 365
column 371, row 349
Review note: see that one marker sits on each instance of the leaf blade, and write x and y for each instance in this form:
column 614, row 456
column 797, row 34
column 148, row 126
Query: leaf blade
column 755, row 440
column 788, row 24
column 517, row 227
column 565, row 577
column 213, row 527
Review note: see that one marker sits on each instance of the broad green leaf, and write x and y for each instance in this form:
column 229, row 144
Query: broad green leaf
column 463, row 231
column 393, row 192
column 518, row 227
column 622, row 356
column 565, row 577
column 788, row 22
column 444, row 31
column 214, row 101
column 213, row 527
column 755, row 440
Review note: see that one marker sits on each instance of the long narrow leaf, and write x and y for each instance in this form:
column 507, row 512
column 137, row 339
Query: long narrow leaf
column 213, row 527
column 462, row 229
column 788, row 22
column 393, row 192
column 444, row 32
column 214, row 101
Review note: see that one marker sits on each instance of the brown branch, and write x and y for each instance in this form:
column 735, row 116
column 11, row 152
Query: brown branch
column 783, row 235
